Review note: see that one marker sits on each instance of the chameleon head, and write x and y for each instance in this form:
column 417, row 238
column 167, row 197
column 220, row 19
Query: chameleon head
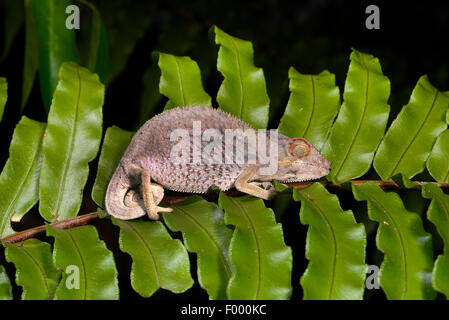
column 299, row 161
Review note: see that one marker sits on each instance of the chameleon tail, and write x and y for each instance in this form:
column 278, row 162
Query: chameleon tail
column 115, row 197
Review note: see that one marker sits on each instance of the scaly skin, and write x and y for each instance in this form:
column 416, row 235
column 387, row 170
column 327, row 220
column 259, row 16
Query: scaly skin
column 131, row 193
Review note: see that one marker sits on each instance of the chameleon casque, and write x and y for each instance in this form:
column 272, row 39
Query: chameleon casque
column 132, row 191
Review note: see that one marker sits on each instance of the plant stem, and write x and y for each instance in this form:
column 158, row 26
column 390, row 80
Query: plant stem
column 171, row 200
column 65, row 224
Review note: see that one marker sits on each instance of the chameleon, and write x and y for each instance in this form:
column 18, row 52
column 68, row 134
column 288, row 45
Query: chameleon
column 148, row 165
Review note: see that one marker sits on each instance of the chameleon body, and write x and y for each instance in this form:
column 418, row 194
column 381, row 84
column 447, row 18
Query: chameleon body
column 149, row 158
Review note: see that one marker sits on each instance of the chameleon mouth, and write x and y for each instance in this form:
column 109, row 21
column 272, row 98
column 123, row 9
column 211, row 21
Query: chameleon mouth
column 313, row 172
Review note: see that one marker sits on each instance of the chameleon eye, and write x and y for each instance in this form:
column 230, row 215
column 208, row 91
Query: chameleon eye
column 299, row 148
column 299, row 151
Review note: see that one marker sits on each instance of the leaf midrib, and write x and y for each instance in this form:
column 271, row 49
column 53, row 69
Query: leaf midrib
column 309, row 122
column 44, row 277
column 22, row 185
column 416, row 134
column 142, row 239
column 70, row 153
column 208, row 235
column 83, row 265
column 256, row 240
column 239, row 73
column 334, row 241
column 359, row 126
column 397, row 229
column 446, row 211
column 181, row 85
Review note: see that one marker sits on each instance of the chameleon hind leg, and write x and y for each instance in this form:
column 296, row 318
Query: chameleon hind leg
column 253, row 188
column 151, row 193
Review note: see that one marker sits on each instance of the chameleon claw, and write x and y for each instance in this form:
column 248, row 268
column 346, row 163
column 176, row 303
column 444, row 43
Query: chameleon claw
column 153, row 212
column 163, row 209
column 270, row 194
column 271, row 191
column 266, row 190
column 266, row 186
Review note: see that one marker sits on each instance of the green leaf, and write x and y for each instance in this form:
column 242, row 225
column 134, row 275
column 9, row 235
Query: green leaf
column 56, row 43
column 94, row 35
column 5, row 285
column 313, row 105
column 181, row 82
column 97, row 58
column 115, row 143
column 335, row 247
column 406, row 270
column 409, row 140
column 72, row 139
column 125, row 26
column 31, row 58
column 204, row 233
column 19, row 178
column 35, row 271
column 3, row 95
column 438, row 214
column 84, row 261
column 150, row 96
column 13, row 20
column 362, row 119
column 261, row 260
column 404, row 182
column 243, row 92
column 437, row 163
column 158, row 260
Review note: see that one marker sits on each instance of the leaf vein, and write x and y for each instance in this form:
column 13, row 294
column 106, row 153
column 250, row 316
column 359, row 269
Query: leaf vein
column 359, row 126
column 309, row 122
column 416, row 134
column 71, row 147
column 256, row 240
column 221, row 255
column 156, row 268
column 44, row 277
column 239, row 73
column 334, row 242
column 83, row 265
column 22, row 185
column 181, row 85
column 401, row 240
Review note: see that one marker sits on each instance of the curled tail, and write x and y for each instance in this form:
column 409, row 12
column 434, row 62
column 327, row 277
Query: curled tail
column 115, row 197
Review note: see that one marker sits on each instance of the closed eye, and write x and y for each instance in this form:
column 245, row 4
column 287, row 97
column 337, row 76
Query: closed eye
column 299, row 148
column 300, row 151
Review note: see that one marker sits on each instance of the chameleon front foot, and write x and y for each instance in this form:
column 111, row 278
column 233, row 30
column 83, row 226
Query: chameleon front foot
column 267, row 191
column 263, row 190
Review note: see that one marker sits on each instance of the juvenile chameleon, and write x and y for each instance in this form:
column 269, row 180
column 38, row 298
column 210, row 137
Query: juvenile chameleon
column 132, row 192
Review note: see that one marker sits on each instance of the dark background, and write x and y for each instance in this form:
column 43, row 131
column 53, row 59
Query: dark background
column 310, row 35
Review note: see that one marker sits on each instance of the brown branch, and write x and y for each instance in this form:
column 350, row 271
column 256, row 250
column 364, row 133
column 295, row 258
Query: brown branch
column 65, row 224
column 172, row 200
